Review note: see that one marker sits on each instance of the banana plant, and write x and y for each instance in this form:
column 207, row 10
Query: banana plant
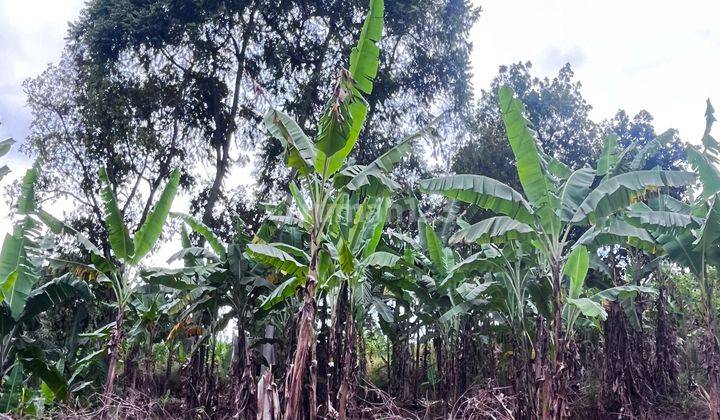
column 18, row 268
column 318, row 162
column 222, row 276
column 352, row 212
column 117, row 270
column 697, row 247
column 146, row 310
column 442, row 294
column 632, row 228
column 555, row 201
column 22, row 300
column 129, row 251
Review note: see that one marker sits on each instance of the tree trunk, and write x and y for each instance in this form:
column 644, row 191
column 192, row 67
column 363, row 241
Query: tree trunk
column 666, row 363
column 268, row 401
column 556, row 405
column 711, row 348
column 334, row 365
column 523, row 382
column 114, row 352
column 168, row 366
column 305, row 338
column 542, row 370
column 246, row 386
column 347, row 387
column 149, row 382
column 626, row 376
column 439, row 362
column 225, row 125
column 313, row 380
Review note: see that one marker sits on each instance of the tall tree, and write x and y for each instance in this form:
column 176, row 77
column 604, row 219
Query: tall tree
column 181, row 80
column 556, row 110
column 639, row 131
column 80, row 123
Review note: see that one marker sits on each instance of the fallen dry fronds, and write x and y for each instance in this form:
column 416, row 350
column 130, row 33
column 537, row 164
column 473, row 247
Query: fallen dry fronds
column 133, row 406
column 484, row 403
column 374, row 403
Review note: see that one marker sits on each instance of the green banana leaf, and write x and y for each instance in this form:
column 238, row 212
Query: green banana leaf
column 574, row 191
column 272, row 256
column 618, row 192
column 364, row 62
column 118, row 235
column 300, row 150
column 151, row 229
column 204, row 231
column 497, row 229
column 484, row 192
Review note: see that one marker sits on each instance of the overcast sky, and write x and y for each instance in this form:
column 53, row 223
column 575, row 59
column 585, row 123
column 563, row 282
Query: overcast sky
column 633, row 54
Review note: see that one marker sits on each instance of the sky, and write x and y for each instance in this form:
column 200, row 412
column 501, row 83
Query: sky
column 659, row 55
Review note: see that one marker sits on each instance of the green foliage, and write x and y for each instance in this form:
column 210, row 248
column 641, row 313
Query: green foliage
column 576, row 268
column 496, row 229
column 608, row 156
column 574, row 191
column 343, row 120
column 618, row 192
column 483, row 192
column 150, row 231
column 276, row 257
column 200, row 228
column 329, row 265
column 118, row 234
column 300, row 150
column 5, row 146
column 535, row 183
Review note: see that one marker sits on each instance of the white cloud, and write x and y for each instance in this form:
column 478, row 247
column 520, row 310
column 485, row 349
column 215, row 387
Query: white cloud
column 656, row 55
column 32, row 35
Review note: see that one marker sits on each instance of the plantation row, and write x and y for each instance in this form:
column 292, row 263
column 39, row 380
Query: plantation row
column 355, row 298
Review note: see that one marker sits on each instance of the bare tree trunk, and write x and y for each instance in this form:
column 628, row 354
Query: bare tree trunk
column 168, row 366
column 522, row 380
column 268, row 401
column 626, row 383
column 246, row 387
column 666, row 362
column 149, row 382
column 439, row 361
column 313, row 380
column 334, row 352
column 542, row 372
column 556, row 403
column 711, row 348
column 305, row 338
column 712, row 365
column 210, row 377
column 114, row 352
column 347, row 388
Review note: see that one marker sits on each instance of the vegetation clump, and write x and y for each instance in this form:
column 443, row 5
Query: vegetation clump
column 577, row 282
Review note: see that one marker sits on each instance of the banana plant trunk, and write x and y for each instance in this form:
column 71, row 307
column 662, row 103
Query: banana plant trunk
column 555, row 405
column 711, row 348
column 666, row 354
column 114, row 353
column 626, row 375
column 347, row 387
column 523, row 382
column 149, row 366
column 712, row 364
column 245, row 382
column 168, row 367
column 305, row 338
